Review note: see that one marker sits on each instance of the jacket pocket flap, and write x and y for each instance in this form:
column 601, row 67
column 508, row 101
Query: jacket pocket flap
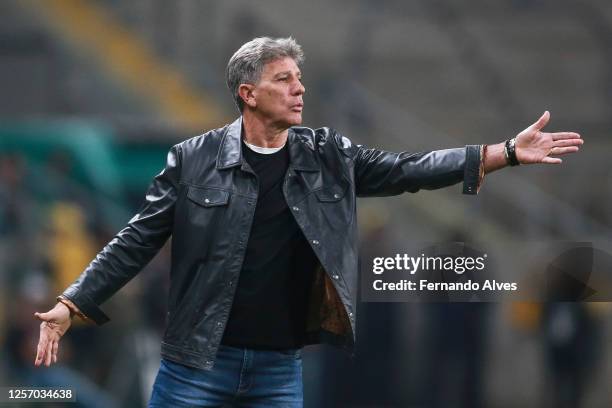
column 208, row 197
column 332, row 193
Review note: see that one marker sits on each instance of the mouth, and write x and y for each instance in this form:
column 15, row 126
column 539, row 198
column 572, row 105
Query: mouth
column 297, row 108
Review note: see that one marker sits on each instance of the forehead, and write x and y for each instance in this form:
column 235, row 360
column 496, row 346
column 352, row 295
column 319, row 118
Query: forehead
column 277, row 66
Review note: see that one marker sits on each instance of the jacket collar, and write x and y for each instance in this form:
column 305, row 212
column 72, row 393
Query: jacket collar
column 230, row 152
column 301, row 149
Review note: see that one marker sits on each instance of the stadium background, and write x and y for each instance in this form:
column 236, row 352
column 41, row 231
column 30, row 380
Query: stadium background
column 94, row 92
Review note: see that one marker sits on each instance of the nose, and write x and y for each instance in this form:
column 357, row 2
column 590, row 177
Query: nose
column 299, row 88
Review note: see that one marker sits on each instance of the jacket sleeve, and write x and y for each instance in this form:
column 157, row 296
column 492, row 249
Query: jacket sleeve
column 132, row 248
column 381, row 173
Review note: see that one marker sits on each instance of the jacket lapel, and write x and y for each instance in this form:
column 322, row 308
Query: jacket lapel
column 302, row 152
column 230, row 153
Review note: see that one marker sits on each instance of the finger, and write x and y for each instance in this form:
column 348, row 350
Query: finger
column 55, row 349
column 551, row 160
column 540, row 123
column 48, row 354
column 568, row 142
column 557, row 151
column 42, row 343
column 40, row 354
column 565, row 135
column 46, row 345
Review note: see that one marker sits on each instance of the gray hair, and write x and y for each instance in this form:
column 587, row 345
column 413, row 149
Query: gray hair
column 246, row 65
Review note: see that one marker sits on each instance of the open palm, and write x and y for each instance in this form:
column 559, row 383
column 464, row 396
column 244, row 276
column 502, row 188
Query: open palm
column 535, row 146
column 54, row 325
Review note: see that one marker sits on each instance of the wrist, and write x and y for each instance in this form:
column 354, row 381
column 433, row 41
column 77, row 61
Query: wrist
column 70, row 311
column 510, row 152
column 494, row 158
column 74, row 310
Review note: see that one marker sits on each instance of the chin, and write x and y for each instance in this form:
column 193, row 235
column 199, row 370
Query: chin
column 295, row 120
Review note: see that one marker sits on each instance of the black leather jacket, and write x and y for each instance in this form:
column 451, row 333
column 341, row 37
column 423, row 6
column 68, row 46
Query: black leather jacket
column 205, row 199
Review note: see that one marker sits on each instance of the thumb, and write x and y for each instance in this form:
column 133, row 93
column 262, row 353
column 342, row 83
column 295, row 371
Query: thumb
column 45, row 317
column 540, row 123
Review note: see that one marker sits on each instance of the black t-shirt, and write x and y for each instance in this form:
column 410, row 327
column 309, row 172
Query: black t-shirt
column 270, row 305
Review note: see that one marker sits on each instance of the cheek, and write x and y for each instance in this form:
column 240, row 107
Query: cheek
column 276, row 98
column 273, row 99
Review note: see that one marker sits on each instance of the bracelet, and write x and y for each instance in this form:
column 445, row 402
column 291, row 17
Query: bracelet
column 510, row 152
column 63, row 302
column 73, row 312
column 481, row 167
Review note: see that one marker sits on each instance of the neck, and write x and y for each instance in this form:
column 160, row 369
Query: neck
column 259, row 132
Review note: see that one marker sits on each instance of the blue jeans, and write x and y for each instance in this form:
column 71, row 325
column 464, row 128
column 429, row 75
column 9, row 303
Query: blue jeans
column 240, row 378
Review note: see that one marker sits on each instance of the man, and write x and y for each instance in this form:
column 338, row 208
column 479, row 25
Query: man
column 264, row 248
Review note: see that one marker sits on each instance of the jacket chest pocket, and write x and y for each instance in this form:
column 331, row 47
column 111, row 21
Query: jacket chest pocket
column 207, row 204
column 333, row 193
column 208, row 197
column 336, row 205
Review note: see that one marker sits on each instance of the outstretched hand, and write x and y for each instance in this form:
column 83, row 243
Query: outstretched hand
column 535, row 146
column 54, row 325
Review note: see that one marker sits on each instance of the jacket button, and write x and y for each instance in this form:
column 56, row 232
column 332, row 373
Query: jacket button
column 207, row 201
column 230, row 283
column 296, row 208
column 315, row 242
column 336, row 195
column 335, row 277
column 351, row 314
column 219, row 324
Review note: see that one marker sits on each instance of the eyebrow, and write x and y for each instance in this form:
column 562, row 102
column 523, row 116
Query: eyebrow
column 299, row 73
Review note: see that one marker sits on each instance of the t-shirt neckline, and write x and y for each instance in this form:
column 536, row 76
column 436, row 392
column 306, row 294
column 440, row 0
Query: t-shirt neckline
column 263, row 150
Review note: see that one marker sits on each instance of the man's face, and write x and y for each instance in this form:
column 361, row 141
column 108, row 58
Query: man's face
column 278, row 94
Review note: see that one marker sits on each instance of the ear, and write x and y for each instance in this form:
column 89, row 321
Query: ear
column 246, row 92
